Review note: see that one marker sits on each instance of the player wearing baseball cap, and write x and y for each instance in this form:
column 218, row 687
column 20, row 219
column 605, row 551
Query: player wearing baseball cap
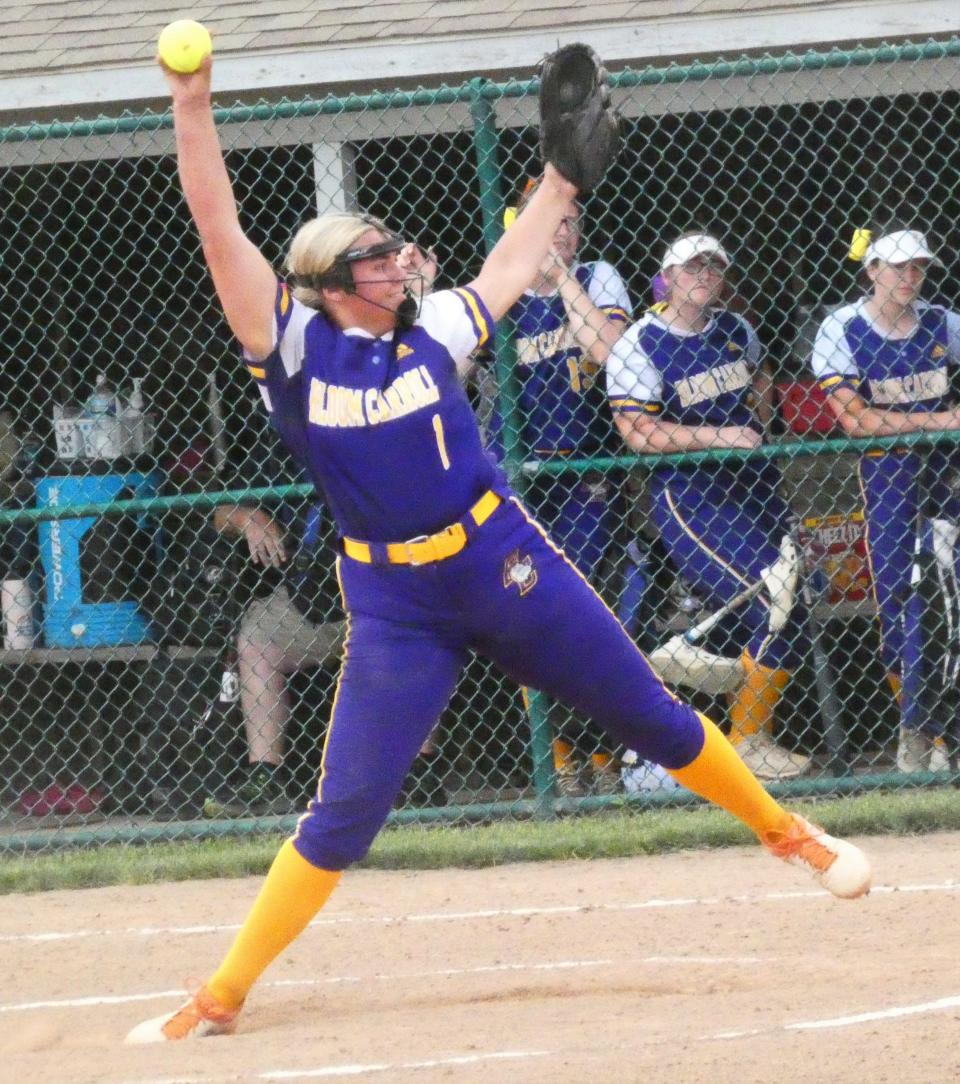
column 885, row 363
column 438, row 557
column 685, row 378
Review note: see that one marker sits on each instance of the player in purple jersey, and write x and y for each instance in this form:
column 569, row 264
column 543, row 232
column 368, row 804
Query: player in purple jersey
column 687, row 378
column 439, row 558
column 565, row 323
column 562, row 342
column 884, row 362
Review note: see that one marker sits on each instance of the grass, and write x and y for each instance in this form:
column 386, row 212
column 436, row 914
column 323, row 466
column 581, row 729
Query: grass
column 617, row 834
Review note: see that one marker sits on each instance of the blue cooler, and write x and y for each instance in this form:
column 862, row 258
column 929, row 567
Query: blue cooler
column 90, row 565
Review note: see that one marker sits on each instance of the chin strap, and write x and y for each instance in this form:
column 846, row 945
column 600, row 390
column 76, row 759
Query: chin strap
column 407, row 312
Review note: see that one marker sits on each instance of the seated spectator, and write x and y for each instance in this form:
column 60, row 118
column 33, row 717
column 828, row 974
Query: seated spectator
column 685, row 378
column 884, row 363
column 293, row 622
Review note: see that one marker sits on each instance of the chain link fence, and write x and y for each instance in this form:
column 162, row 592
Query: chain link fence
column 172, row 623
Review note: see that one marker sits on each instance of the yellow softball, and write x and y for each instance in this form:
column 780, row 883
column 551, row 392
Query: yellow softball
column 184, row 45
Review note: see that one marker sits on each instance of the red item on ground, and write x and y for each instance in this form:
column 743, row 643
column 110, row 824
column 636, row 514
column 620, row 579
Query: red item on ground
column 805, row 408
column 54, row 799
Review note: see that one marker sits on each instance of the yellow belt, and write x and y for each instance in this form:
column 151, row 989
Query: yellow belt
column 428, row 548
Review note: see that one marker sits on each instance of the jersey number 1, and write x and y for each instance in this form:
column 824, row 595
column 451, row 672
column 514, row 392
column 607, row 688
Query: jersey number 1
column 441, row 441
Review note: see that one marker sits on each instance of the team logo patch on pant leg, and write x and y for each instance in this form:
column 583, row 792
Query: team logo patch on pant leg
column 519, row 572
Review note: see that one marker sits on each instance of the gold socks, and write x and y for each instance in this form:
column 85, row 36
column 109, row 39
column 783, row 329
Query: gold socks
column 292, row 894
column 756, row 699
column 718, row 774
column 563, row 759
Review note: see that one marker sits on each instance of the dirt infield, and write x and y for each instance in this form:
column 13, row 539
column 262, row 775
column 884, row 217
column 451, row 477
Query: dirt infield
column 720, row 967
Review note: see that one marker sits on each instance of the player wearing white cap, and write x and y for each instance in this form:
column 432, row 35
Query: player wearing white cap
column 884, row 362
column 690, row 377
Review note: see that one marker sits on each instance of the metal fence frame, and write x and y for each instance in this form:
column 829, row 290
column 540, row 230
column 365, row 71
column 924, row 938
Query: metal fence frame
column 480, row 99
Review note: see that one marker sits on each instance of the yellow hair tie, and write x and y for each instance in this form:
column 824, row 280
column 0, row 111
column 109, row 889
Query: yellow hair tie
column 509, row 217
column 859, row 245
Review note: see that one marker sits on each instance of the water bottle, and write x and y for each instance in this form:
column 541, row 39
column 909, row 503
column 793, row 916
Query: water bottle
column 135, row 398
column 230, row 677
column 133, row 434
column 29, row 459
column 17, row 604
column 98, row 411
column 102, row 400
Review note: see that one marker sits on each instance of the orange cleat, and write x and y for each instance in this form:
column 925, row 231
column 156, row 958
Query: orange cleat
column 201, row 1016
column 840, row 867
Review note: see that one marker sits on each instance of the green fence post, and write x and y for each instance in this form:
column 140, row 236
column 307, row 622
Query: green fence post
column 485, row 145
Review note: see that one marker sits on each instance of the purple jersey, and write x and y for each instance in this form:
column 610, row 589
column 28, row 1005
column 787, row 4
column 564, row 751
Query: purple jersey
column 561, row 395
column 382, row 425
column 692, row 378
column 910, row 373
column 907, row 374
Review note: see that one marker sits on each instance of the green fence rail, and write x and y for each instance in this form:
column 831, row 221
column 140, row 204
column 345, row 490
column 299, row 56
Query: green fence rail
column 161, row 684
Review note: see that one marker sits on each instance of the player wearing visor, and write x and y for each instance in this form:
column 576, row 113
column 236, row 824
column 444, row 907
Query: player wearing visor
column 438, row 557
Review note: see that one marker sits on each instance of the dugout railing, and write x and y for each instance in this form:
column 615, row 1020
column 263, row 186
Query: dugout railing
column 783, row 156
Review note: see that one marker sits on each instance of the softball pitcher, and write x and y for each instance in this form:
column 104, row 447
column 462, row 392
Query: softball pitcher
column 438, row 556
column 686, row 378
column 884, row 362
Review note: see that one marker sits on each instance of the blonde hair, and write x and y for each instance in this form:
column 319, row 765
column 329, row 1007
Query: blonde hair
column 316, row 246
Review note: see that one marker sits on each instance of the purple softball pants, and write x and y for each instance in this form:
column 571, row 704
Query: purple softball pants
column 510, row 595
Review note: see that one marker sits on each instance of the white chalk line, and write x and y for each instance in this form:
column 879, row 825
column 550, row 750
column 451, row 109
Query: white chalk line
column 330, row 1071
column 847, row 1021
column 654, row 903
column 333, row 1071
column 445, row 972
column 383, row 1067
